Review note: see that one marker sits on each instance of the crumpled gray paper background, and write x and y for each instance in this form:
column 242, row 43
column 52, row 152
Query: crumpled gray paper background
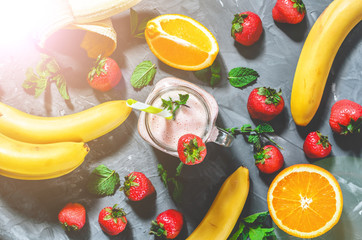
column 29, row 209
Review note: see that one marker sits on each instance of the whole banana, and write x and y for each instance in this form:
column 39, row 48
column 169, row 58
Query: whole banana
column 220, row 220
column 30, row 161
column 78, row 127
column 318, row 53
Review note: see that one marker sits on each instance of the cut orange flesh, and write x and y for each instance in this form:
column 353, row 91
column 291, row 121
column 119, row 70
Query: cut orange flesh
column 181, row 42
column 305, row 200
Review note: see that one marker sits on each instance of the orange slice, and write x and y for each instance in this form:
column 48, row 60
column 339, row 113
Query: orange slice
column 181, row 42
column 305, row 200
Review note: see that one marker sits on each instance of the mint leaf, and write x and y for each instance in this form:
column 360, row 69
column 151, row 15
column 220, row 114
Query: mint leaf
column 211, row 75
column 264, row 128
column 134, row 20
column 103, row 181
column 242, row 76
column 238, row 232
column 257, row 217
column 177, row 187
column 254, row 134
column 202, row 74
column 46, row 71
column 143, row 74
column 173, row 105
column 163, row 174
column 253, row 227
column 61, row 85
column 260, row 233
column 137, row 27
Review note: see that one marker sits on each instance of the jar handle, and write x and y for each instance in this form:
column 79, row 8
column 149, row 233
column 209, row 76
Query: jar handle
column 221, row 137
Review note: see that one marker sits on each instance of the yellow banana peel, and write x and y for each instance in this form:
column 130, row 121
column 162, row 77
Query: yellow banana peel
column 318, row 53
column 30, row 161
column 78, row 127
column 224, row 212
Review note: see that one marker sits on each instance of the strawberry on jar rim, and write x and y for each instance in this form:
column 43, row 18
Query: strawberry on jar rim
column 246, row 28
column 265, row 103
column 137, row 186
column 105, row 75
column 269, row 159
column 112, row 220
column 72, row 216
column 289, row 11
column 346, row 117
column 316, row 145
column 191, row 149
column 168, row 224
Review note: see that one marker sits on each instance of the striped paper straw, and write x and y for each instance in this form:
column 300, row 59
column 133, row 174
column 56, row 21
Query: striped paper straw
column 148, row 108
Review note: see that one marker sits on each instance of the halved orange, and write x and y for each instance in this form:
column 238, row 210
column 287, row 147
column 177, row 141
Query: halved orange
column 181, row 42
column 305, row 200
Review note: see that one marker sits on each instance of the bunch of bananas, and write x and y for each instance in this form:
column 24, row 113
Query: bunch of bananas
column 34, row 147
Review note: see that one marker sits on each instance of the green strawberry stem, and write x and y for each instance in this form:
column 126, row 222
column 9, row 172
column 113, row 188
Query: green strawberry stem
column 323, row 140
column 237, row 22
column 272, row 96
column 115, row 214
column 192, row 151
column 299, row 5
column 158, row 229
column 352, row 127
column 128, row 183
column 261, row 156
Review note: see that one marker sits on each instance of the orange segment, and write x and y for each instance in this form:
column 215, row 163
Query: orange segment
column 305, row 200
column 181, row 42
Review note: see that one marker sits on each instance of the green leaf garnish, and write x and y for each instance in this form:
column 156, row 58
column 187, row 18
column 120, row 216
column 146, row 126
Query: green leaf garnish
column 143, row 74
column 177, row 187
column 254, row 135
column 137, row 27
column 242, row 76
column 172, row 105
column 46, row 71
column 103, row 181
column 211, row 75
column 254, row 227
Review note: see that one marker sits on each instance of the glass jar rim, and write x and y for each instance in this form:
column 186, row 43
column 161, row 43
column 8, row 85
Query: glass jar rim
column 155, row 95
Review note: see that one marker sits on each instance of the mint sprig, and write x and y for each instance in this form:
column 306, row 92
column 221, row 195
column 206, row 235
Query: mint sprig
column 137, row 27
column 143, row 74
column 254, row 227
column 173, row 105
column 211, row 75
column 242, row 76
column 103, row 181
column 47, row 71
column 176, row 185
column 254, row 134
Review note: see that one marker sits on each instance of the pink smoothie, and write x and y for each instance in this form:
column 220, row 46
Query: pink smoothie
column 192, row 119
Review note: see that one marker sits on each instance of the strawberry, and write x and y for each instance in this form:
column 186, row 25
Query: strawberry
column 137, row 186
column 112, row 220
column 265, row 103
column 246, row 28
column 346, row 117
column 316, row 145
column 168, row 224
column 269, row 159
column 289, row 11
column 72, row 216
column 105, row 74
column 191, row 149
